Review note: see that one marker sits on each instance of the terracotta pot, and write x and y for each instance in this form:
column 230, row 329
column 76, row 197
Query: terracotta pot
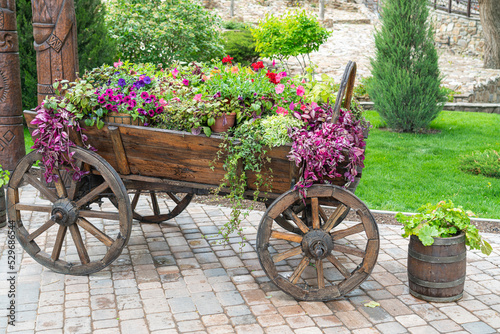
column 121, row 118
column 219, row 123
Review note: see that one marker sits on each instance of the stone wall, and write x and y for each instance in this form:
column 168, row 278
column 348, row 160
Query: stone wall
column 458, row 33
column 487, row 93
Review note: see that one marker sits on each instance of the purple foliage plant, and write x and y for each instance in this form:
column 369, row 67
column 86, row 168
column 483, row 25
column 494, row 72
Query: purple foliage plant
column 55, row 121
column 323, row 150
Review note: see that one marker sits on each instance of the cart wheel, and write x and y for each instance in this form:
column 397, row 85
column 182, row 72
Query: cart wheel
column 181, row 201
column 96, row 238
column 327, row 259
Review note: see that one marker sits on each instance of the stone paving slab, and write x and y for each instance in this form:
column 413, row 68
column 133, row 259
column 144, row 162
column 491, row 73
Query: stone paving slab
column 169, row 279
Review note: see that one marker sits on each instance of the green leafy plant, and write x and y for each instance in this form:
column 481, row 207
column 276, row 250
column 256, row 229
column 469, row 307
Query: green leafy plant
column 450, row 93
column 164, row 31
column 294, row 34
column 406, row 77
column 443, row 220
column 234, row 25
column 486, row 163
column 4, row 176
column 243, row 150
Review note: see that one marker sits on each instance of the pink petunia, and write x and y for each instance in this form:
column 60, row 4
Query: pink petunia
column 144, row 95
column 185, row 82
column 118, row 63
column 282, row 111
column 300, row 91
column 197, row 97
column 174, row 73
column 292, row 106
column 163, row 102
column 279, row 88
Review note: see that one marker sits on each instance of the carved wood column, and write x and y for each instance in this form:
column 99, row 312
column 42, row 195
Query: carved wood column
column 54, row 31
column 11, row 120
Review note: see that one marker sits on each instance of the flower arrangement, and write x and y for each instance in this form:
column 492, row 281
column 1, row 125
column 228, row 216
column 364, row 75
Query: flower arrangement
column 272, row 109
column 443, row 220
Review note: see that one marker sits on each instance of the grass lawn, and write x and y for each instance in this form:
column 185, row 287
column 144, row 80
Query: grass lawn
column 404, row 171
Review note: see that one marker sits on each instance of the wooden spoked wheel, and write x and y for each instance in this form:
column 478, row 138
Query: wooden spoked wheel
column 180, row 202
column 75, row 234
column 329, row 257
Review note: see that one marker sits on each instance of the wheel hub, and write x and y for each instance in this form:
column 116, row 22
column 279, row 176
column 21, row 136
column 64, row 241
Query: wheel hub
column 64, row 212
column 317, row 244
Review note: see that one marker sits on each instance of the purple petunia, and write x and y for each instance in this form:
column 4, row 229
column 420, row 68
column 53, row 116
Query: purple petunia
column 147, row 80
column 122, row 82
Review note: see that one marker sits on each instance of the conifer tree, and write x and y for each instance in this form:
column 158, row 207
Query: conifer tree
column 406, row 86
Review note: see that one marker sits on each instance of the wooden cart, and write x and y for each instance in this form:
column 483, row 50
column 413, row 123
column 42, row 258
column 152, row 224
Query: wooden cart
column 305, row 249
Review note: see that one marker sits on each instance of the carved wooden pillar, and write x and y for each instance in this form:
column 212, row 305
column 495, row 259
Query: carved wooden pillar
column 11, row 120
column 54, row 31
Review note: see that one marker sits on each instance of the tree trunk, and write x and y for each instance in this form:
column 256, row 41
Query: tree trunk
column 489, row 11
column 322, row 9
column 231, row 11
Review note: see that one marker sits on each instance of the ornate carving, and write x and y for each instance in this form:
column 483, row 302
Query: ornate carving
column 11, row 120
column 4, row 87
column 8, row 42
column 55, row 43
column 54, row 30
column 45, row 89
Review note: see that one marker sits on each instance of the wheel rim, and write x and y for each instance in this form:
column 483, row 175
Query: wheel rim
column 159, row 204
column 78, row 215
column 325, row 260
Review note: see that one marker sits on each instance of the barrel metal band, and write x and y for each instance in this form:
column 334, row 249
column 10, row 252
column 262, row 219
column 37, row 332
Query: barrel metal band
column 436, row 259
column 436, row 285
column 436, row 299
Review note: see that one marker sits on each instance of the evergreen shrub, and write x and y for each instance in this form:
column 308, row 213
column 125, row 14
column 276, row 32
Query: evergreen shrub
column 406, row 77
column 486, row 163
column 241, row 46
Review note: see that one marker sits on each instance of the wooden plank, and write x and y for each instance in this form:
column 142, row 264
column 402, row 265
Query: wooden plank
column 299, row 270
column 340, row 267
column 40, row 187
column 120, row 155
column 300, row 224
column 89, row 227
column 56, row 251
column 80, row 247
column 92, row 194
column 315, row 213
column 33, row 207
column 321, row 275
column 358, row 228
column 349, row 250
column 287, row 254
column 286, row 236
column 40, row 230
column 339, row 211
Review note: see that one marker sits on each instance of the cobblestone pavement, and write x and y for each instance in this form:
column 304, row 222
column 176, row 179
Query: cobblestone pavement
column 170, row 279
column 355, row 42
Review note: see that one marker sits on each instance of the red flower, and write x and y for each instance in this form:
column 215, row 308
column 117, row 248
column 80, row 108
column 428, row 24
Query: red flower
column 257, row 65
column 272, row 77
column 227, row 59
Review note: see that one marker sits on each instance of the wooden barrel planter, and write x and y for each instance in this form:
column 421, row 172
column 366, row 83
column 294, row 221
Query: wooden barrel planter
column 3, row 212
column 436, row 273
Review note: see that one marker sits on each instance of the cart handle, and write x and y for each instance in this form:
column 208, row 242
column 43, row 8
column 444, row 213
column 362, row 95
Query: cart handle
column 346, row 87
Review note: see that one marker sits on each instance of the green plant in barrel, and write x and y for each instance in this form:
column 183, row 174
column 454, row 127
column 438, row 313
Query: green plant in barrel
column 443, row 220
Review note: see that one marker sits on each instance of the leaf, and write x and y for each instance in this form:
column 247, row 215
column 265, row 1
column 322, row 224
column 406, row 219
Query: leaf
column 207, row 131
column 426, row 234
column 486, row 247
column 372, row 304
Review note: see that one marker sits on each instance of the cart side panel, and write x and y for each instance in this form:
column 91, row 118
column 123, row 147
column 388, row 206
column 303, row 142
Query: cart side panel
column 172, row 154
